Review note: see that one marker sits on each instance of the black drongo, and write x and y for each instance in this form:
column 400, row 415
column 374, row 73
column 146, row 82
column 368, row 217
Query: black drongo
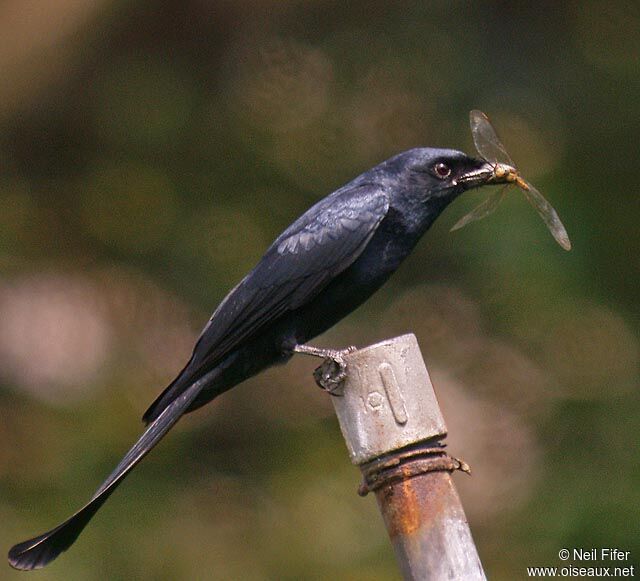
column 322, row 267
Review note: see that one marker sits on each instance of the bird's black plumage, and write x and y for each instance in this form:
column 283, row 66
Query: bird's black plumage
column 317, row 271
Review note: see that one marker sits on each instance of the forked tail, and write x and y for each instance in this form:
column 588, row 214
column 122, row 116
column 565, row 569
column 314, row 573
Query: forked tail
column 41, row 550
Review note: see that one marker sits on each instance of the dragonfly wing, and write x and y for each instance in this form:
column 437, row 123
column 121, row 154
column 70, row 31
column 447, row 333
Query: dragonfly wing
column 486, row 139
column 548, row 215
column 485, row 208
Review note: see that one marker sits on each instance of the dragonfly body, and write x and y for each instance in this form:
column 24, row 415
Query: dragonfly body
column 506, row 173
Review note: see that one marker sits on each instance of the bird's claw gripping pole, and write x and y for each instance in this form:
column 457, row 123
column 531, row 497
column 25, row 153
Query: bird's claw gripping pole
column 331, row 375
column 393, row 428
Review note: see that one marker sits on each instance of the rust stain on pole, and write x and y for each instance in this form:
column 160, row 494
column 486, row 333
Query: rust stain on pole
column 409, row 504
column 401, row 514
column 428, row 529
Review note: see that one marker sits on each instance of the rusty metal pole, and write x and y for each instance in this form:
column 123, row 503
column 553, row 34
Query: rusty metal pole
column 393, row 427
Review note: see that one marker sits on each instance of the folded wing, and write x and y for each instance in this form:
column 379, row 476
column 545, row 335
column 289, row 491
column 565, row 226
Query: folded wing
column 306, row 257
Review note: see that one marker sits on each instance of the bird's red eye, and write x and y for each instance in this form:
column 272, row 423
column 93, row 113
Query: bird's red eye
column 442, row 170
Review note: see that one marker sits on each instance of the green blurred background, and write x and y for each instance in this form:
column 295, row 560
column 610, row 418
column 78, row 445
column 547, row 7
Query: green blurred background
column 150, row 151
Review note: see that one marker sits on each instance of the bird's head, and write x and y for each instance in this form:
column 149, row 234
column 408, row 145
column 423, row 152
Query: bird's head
column 441, row 173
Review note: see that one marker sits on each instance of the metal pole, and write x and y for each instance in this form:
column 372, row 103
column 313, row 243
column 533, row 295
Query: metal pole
column 393, row 428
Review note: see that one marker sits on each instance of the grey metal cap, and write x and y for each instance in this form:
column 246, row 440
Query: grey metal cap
column 388, row 400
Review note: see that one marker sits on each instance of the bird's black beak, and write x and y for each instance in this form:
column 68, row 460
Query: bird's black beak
column 479, row 176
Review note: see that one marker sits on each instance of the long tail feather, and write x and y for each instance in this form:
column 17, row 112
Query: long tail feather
column 41, row 550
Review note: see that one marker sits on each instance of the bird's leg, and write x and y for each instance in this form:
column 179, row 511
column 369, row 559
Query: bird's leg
column 333, row 371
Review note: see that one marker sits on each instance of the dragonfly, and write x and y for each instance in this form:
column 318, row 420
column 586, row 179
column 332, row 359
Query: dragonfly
column 492, row 151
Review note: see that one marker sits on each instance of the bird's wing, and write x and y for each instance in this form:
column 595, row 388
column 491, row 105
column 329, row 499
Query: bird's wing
column 299, row 264
column 321, row 244
column 37, row 552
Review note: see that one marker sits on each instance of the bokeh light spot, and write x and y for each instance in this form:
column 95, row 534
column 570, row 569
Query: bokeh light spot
column 53, row 338
column 129, row 207
column 281, row 84
column 593, row 352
